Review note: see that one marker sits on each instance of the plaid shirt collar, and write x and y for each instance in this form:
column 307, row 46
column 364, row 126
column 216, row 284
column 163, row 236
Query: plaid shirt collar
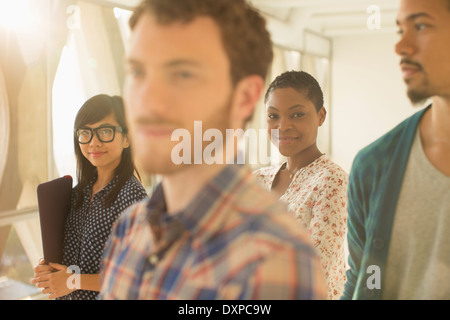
column 201, row 217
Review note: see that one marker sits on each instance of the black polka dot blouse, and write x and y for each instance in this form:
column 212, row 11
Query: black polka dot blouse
column 87, row 229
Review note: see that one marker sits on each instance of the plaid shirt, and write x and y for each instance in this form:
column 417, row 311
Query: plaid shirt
column 233, row 241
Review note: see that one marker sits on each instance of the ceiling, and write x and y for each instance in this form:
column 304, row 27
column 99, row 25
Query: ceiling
column 328, row 17
column 333, row 17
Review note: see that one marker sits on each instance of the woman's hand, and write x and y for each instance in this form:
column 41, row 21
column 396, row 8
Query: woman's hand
column 41, row 269
column 53, row 279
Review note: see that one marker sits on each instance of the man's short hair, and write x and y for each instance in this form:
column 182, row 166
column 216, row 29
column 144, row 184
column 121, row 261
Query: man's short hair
column 244, row 34
column 300, row 81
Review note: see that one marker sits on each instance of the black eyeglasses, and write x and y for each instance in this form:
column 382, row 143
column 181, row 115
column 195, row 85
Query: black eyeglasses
column 104, row 134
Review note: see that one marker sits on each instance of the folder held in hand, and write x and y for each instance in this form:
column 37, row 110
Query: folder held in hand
column 54, row 199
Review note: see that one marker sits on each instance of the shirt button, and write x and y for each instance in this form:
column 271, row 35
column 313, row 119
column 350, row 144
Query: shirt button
column 378, row 243
column 153, row 259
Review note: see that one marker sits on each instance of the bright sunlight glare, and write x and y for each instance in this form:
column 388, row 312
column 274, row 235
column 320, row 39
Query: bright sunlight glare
column 16, row 15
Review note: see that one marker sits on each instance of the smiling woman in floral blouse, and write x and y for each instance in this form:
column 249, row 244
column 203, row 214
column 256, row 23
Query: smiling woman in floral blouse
column 313, row 186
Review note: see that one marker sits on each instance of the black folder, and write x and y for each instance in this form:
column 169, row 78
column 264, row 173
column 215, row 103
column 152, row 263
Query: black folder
column 54, row 199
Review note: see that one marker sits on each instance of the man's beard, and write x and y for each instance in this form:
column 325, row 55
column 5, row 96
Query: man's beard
column 163, row 163
column 419, row 97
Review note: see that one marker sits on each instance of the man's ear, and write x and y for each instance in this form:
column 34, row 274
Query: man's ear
column 246, row 95
column 322, row 116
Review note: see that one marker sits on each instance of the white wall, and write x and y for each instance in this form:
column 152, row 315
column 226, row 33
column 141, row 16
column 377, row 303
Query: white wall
column 368, row 95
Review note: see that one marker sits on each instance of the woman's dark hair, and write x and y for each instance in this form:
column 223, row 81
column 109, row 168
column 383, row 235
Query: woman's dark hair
column 300, row 81
column 94, row 110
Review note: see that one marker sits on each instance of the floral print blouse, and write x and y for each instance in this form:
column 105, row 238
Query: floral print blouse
column 317, row 197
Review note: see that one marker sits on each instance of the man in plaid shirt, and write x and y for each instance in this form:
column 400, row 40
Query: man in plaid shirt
column 209, row 231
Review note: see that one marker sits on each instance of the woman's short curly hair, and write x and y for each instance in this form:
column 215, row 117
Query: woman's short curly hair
column 300, row 81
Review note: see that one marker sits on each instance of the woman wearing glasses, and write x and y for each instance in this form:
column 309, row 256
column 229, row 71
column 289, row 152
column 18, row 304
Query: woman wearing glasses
column 106, row 186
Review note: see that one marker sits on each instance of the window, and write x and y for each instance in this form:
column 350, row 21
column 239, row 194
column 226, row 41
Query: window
column 15, row 269
column 46, row 74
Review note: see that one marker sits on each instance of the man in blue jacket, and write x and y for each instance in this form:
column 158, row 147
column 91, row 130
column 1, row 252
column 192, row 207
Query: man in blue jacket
column 399, row 188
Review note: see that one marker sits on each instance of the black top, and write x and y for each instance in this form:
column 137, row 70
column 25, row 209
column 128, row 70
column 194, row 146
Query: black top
column 87, row 229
